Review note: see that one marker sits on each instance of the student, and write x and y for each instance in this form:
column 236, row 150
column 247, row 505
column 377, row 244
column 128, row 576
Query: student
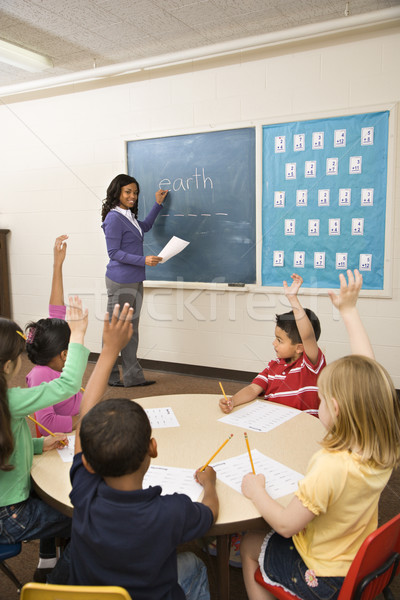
column 23, row 516
column 291, row 378
column 336, row 505
column 126, row 269
column 47, row 343
column 123, row 534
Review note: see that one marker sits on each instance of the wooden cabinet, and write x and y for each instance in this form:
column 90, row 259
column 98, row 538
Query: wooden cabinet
column 5, row 299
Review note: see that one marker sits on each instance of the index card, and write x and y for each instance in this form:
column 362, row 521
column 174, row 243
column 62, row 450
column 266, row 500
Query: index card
column 67, row 452
column 260, row 416
column 161, row 417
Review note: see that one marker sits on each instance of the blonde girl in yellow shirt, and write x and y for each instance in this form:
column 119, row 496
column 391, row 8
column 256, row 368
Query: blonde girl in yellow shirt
column 335, row 508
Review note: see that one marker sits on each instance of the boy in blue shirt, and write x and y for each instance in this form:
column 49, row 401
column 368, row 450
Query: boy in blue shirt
column 123, row 534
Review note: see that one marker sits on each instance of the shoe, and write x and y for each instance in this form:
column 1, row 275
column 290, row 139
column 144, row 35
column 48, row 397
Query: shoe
column 40, row 575
column 121, row 384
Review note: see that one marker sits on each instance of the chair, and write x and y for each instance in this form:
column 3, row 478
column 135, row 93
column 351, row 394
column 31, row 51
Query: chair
column 46, row 591
column 372, row 570
column 9, row 551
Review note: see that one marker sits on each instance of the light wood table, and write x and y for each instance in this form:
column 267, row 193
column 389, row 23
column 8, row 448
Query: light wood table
column 190, row 446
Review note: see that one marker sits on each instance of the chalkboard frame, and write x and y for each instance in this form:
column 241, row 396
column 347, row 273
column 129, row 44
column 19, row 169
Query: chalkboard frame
column 229, row 220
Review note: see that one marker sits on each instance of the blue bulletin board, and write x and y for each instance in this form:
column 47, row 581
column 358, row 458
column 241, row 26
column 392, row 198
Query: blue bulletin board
column 324, row 199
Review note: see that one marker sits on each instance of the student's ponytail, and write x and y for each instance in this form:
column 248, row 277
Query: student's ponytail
column 12, row 343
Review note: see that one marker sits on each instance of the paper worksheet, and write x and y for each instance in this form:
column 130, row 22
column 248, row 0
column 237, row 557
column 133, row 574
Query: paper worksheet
column 67, row 452
column 260, row 416
column 161, row 417
column 173, row 479
column 173, row 247
column 279, row 479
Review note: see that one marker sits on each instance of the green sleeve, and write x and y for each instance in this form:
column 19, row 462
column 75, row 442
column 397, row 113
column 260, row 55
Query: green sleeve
column 24, row 401
column 38, row 445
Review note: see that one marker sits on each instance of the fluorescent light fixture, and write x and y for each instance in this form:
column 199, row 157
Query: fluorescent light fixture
column 22, row 58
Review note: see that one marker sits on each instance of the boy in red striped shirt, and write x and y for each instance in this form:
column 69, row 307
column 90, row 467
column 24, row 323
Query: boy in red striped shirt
column 291, row 378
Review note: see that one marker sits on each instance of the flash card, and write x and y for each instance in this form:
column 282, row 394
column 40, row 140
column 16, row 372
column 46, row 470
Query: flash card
column 301, row 197
column 367, row 196
column 341, row 260
column 279, row 199
column 323, row 197
column 344, row 197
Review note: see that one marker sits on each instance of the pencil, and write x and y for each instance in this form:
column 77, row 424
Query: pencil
column 223, row 391
column 45, row 428
column 215, row 453
column 248, row 450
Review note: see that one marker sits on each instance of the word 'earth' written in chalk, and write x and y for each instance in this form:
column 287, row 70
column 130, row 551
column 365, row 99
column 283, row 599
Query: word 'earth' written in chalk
column 195, row 182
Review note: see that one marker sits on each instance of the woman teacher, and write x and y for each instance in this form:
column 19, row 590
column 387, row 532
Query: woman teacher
column 126, row 270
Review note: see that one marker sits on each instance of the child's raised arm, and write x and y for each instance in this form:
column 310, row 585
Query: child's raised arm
column 116, row 334
column 303, row 323
column 77, row 319
column 346, row 302
column 57, row 288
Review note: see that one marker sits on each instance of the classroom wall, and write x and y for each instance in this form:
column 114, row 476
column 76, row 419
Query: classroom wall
column 60, row 149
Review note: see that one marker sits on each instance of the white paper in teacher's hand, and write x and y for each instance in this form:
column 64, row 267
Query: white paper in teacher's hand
column 173, row 247
column 260, row 416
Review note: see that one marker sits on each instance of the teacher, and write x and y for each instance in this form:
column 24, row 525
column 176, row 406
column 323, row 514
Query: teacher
column 126, row 270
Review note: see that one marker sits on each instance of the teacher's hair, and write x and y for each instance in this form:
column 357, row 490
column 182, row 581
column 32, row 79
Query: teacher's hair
column 368, row 419
column 12, row 344
column 114, row 193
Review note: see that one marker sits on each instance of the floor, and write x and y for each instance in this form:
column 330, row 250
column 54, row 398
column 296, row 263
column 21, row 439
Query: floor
column 170, row 383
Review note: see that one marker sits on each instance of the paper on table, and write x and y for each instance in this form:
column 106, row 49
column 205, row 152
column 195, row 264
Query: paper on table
column 173, row 247
column 279, row 479
column 173, row 479
column 67, row 452
column 161, row 417
column 260, row 416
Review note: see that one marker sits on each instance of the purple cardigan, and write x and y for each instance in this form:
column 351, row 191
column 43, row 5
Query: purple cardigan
column 125, row 246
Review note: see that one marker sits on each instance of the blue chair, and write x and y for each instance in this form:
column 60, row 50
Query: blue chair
column 9, row 551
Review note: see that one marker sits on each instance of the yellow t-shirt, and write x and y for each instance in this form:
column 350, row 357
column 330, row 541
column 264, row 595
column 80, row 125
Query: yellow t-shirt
column 343, row 493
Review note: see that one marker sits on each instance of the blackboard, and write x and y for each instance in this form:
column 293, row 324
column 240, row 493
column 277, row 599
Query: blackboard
column 211, row 203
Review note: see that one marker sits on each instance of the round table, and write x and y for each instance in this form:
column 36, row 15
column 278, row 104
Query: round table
column 190, row 445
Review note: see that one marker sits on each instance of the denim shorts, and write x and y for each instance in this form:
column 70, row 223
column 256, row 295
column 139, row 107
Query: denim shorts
column 280, row 563
column 32, row 519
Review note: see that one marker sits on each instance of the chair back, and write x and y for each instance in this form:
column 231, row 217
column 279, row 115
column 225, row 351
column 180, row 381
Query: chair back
column 380, row 547
column 9, row 551
column 45, row 591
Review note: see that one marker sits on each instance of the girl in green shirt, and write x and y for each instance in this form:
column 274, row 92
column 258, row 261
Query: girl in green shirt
column 24, row 516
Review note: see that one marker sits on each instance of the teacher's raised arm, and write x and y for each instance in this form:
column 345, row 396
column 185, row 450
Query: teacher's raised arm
column 126, row 270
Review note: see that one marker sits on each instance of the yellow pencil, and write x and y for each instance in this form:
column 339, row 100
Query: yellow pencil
column 223, row 391
column 45, row 428
column 248, row 450
column 215, row 453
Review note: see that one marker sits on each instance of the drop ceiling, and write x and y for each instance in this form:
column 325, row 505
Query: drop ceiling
column 78, row 35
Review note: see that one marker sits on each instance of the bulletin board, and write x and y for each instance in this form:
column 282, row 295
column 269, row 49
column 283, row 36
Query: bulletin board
column 211, row 203
column 324, row 199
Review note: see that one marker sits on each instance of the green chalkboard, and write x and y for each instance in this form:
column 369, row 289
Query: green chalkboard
column 211, row 203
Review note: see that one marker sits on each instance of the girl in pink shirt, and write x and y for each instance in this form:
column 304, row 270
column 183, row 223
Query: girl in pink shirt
column 47, row 343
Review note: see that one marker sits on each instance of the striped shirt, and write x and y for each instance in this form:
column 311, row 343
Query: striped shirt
column 293, row 384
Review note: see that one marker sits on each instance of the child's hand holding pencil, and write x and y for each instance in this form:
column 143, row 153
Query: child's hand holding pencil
column 225, row 403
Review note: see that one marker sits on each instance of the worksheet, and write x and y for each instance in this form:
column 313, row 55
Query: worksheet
column 279, row 479
column 260, row 416
column 172, row 248
column 67, row 453
column 173, row 479
column 161, row 417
